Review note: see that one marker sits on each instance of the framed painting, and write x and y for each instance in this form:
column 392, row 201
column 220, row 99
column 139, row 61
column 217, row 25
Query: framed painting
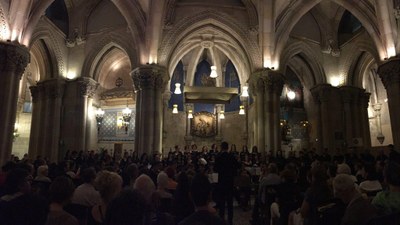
column 204, row 124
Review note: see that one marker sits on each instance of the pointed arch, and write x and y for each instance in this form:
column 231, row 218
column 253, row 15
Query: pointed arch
column 308, row 55
column 55, row 55
column 351, row 68
column 34, row 17
column 362, row 10
column 104, row 45
column 226, row 35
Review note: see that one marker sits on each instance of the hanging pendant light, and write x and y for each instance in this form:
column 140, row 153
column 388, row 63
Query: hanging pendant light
column 241, row 111
column 221, row 115
column 175, row 109
column 177, row 89
column 245, row 91
column 213, row 73
column 190, row 114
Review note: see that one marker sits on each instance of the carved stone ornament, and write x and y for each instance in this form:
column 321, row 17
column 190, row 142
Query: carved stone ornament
column 269, row 80
column 149, row 77
column 54, row 88
column 117, row 93
column 37, row 92
column 390, row 72
column 204, row 124
column 13, row 57
column 87, row 86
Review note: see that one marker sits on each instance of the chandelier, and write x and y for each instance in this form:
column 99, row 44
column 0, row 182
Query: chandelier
column 99, row 118
column 126, row 116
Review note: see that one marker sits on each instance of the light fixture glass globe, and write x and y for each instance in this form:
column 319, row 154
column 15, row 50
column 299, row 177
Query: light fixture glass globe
column 221, row 115
column 99, row 112
column 126, row 112
column 190, row 114
column 213, row 73
column 291, row 95
column 177, row 89
column 245, row 91
column 241, row 111
column 175, row 109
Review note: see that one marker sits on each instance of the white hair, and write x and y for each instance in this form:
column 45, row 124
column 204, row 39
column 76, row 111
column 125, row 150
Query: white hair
column 42, row 170
column 145, row 186
column 343, row 182
column 162, row 180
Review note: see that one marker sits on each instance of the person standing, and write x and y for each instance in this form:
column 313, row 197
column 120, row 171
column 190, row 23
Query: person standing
column 226, row 166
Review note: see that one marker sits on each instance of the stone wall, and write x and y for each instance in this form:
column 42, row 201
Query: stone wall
column 21, row 143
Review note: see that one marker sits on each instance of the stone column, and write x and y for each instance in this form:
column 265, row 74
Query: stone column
column 219, row 137
column 13, row 60
column 54, row 91
column 148, row 81
column 257, row 90
column 267, row 86
column 86, row 88
column 366, row 135
column 37, row 93
column 389, row 71
column 322, row 94
column 348, row 120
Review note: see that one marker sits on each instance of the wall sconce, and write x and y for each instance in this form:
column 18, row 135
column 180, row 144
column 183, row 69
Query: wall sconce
column 126, row 116
column 222, row 115
column 177, row 89
column 380, row 138
column 15, row 133
column 213, row 73
column 245, row 91
column 190, row 114
column 175, row 109
column 241, row 111
column 99, row 118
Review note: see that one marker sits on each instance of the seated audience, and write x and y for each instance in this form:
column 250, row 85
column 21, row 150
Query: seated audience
column 388, row 202
column 182, row 205
column 145, row 186
column 371, row 185
column 200, row 191
column 19, row 205
column 359, row 211
column 61, row 191
column 319, row 193
column 109, row 184
column 128, row 208
column 86, row 194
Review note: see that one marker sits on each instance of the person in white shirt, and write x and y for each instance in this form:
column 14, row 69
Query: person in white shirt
column 85, row 194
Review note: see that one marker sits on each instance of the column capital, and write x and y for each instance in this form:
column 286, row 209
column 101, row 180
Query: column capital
column 54, row 88
column 365, row 99
column 150, row 77
column 389, row 72
column 351, row 94
column 321, row 92
column 266, row 80
column 86, row 86
column 13, row 57
column 37, row 92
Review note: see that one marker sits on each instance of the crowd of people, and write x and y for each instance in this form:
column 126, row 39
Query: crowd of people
column 199, row 186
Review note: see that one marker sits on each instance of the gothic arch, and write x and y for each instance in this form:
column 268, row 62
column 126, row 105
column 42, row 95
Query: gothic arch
column 349, row 68
column 134, row 16
column 215, row 20
column 308, row 56
column 4, row 27
column 114, row 40
column 250, row 9
column 43, row 57
column 289, row 18
column 51, row 44
column 34, row 19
